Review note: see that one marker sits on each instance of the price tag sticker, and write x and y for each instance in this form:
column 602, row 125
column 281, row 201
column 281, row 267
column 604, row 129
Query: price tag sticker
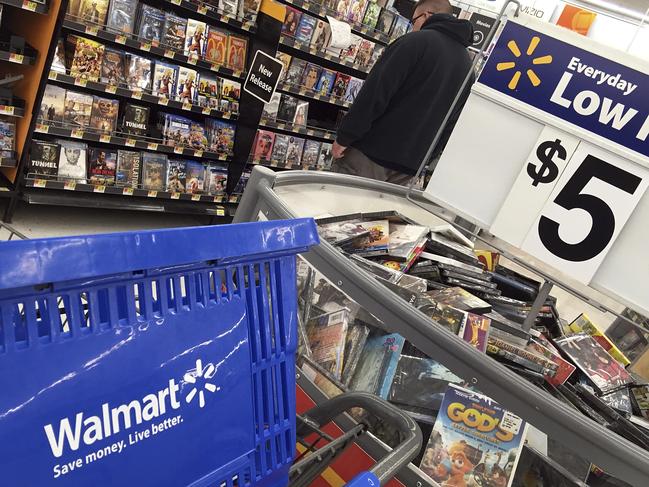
column 192, row 60
column 53, row 75
column 152, row 194
column 137, row 94
column 302, row 91
column 152, row 146
column 16, row 58
column 130, row 142
column 220, row 212
column 127, row 191
column 111, row 89
column 31, row 6
column 145, row 46
column 40, row 183
column 169, row 53
column 176, row 2
column 198, row 153
column 218, row 199
column 80, row 82
column 42, row 128
column 206, row 110
column 6, row 110
column 178, row 149
column 196, row 197
column 163, row 100
column 233, row 199
column 69, row 185
column 187, row 105
column 99, row 189
column 77, row 133
column 202, row 9
column 175, row 196
column 104, row 138
column 215, row 67
column 226, row 115
column 310, row 132
column 510, row 423
column 120, row 39
column 92, row 30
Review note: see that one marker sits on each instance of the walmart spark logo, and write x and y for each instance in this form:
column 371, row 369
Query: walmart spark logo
column 203, row 374
column 533, row 77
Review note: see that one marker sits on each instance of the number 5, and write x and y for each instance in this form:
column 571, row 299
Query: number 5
column 571, row 197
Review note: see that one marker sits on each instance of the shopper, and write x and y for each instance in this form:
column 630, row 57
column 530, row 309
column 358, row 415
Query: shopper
column 389, row 128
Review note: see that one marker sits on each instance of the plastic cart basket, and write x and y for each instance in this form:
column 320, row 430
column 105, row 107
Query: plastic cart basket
column 168, row 362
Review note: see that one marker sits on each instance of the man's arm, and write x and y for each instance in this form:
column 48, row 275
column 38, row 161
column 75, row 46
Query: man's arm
column 383, row 82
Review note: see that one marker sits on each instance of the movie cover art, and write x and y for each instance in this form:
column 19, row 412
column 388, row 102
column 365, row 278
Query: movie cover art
column 378, row 364
column 187, row 82
column 376, row 242
column 72, row 161
column 459, row 452
column 340, row 233
column 52, row 105
column 420, row 384
column 310, row 153
column 386, row 19
column 175, row 32
column 197, row 136
column 176, row 176
column 87, row 59
column 151, row 24
column 241, row 183
column 400, row 27
column 476, row 331
column 102, row 164
column 353, row 88
column 280, row 147
column 372, row 15
column 164, row 80
column 216, row 180
column 294, row 150
column 364, row 53
column 321, row 35
column 271, row 108
column 295, row 71
column 208, row 91
column 305, row 29
column 285, row 59
column 230, row 94
column 229, row 7
column 376, row 54
column 78, row 109
column 138, row 72
column 326, row 156
column 349, row 53
column 58, row 61
column 310, row 76
column 128, row 168
column 251, row 8
column 326, row 82
column 340, row 85
column 326, row 335
column 154, row 171
column 112, row 68
column 589, row 356
column 195, row 176
column 291, row 21
column 92, row 12
column 44, row 158
column 220, row 136
column 177, row 130
column 237, row 47
column 404, row 239
column 460, row 299
column 537, row 470
column 301, row 114
column 121, row 16
column 135, row 119
column 195, row 39
column 104, row 114
column 217, row 46
column 286, row 109
column 263, row 148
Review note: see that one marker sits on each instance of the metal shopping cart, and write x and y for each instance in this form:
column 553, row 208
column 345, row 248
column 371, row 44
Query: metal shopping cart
column 163, row 358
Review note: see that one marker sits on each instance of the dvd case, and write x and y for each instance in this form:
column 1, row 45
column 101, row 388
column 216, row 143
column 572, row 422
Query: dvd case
column 340, row 85
column 122, row 15
column 271, row 108
column 104, row 114
column 164, row 80
column 263, row 146
column 135, row 119
column 112, row 68
column 58, row 61
column 175, row 32
column 176, row 176
column 291, row 21
column 237, row 47
column 400, row 27
column 353, row 88
column 364, row 53
column 138, row 72
column 285, row 59
column 44, row 158
column 385, row 21
column 295, row 71
column 326, row 82
column 378, row 364
column 86, row 59
column 52, row 108
column 102, row 164
column 310, row 76
column 305, row 29
column 321, row 35
column 220, row 136
column 151, row 23
column 216, row 179
column 310, row 153
column 89, row 12
column 326, row 335
column 217, row 46
column 286, row 109
column 195, row 177
column 230, row 93
column 372, row 13
column 280, row 148
column 154, row 171
column 128, row 168
column 301, row 114
column 195, row 39
column 294, row 150
column 78, row 109
column 72, row 161
column 187, row 82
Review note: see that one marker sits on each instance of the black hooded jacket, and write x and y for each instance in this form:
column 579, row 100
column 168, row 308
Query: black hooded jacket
column 407, row 94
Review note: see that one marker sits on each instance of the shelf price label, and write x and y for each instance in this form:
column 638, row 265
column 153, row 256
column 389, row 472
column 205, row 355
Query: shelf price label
column 196, row 197
column 120, row 39
column 175, row 196
column 198, row 153
column 220, row 212
column 187, row 105
column 70, row 185
column 152, row 146
column 152, row 194
column 206, row 110
column 163, row 100
column 178, row 149
column 6, row 110
column 589, row 205
column 40, row 183
column 31, row 6
column 80, row 82
column 127, row 191
column 169, row 53
column 202, row 9
column 99, row 189
column 92, row 30
column 16, row 58
column 145, row 46
column 77, row 133
column 137, row 94
column 218, row 199
column 130, row 142
column 111, row 89
column 192, row 60
column 176, row 2
column 42, row 128
column 53, row 75
column 104, row 138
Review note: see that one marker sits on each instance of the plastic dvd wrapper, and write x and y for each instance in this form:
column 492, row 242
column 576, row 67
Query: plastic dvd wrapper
column 378, row 364
column 376, row 243
column 475, row 441
column 460, row 299
column 44, row 158
column 326, row 334
column 122, row 15
column 404, row 239
column 357, row 334
column 340, row 233
column 536, row 469
column 101, row 166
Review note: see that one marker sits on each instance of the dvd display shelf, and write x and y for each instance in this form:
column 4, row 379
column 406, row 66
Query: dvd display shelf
column 17, row 51
column 29, row 5
column 322, row 55
column 285, row 166
column 139, row 96
column 126, row 141
column 8, row 162
column 144, row 47
column 211, row 13
column 15, row 110
column 303, row 92
column 291, row 128
column 316, row 9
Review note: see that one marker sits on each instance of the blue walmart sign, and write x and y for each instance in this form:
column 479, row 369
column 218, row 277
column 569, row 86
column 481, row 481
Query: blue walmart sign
column 588, row 90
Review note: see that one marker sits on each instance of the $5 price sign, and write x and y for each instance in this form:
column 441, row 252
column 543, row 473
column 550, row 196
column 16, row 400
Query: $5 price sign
column 580, row 198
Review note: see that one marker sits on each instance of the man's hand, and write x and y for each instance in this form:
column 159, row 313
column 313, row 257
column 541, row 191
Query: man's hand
column 338, row 150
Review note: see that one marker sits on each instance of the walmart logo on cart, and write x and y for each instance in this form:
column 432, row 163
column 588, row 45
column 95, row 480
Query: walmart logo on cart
column 574, row 84
column 86, row 430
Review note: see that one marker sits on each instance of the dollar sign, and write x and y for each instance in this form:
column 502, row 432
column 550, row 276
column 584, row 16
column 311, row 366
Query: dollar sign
column 548, row 170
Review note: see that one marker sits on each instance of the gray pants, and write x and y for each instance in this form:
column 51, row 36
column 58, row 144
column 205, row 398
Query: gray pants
column 356, row 163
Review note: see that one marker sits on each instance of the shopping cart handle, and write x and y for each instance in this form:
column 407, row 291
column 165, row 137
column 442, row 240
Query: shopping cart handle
column 366, row 479
column 399, row 457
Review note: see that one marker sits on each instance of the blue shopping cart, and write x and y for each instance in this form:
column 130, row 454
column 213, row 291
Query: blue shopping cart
column 160, row 358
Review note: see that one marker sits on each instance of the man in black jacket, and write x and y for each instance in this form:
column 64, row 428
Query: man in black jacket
column 389, row 128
